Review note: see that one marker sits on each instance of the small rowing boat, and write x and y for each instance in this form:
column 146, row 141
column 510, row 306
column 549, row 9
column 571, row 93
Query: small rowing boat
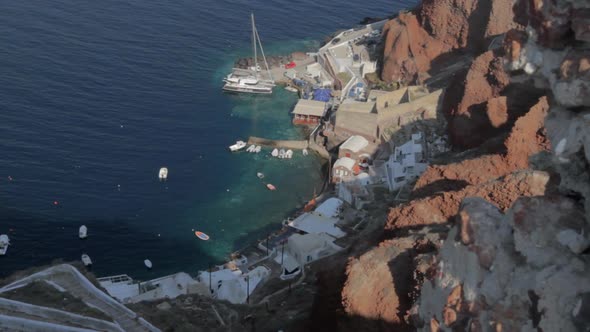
column 271, row 187
column 4, row 243
column 83, row 232
column 163, row 173
column 86, row 260
column 202, row 236
column 238, row 146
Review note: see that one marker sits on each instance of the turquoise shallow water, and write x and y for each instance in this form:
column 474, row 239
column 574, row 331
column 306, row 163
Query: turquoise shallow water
column 97, row 96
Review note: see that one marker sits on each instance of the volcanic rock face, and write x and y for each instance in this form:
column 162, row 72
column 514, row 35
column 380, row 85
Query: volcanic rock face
column 512, row 271
column 526, row 139
column 516, row 255
column 527, row 268
column 437, row 209
column 437, row 27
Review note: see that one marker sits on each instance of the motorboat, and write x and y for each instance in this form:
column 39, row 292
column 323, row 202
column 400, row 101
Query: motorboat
column 275, row 153
column 4, row 243
column 83, row 232
column 281, row 153
column 251, row 148
column 258, row 149
column 163, row 174
column 147, row 263
column 249, row 80
column 86, row 260
column 260, row 175
column 202, row 236
column 289, row 154
column 305, row 152
column 238, row 146
column 271, row 187
column 290, row 88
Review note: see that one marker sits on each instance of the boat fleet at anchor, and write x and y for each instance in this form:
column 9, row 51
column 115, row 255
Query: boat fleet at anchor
column 277, row 153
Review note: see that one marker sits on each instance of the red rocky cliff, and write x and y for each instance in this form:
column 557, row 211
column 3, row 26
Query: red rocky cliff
column 437, row 27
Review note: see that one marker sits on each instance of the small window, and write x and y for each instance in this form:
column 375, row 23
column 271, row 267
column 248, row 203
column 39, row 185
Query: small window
column 309, row 258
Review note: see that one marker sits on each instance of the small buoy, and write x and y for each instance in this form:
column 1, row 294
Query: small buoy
column 158, row 234
column 148, row 263
column 227, row 190
column 55, row 203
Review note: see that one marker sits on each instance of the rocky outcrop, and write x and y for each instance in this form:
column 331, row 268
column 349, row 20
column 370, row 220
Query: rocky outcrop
column 414, row 39
column 553, row 56
column 526, row 139
column 439, row 208
column 516, row 257
column 380, row 301
column 527, row 268
column 387, row 297
column 515, row 270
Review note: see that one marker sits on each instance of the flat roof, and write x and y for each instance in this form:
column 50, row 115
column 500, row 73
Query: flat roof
column 356, row 106
column 329, row 208
column 345, row 162
column 313, row 223
column 310, row 107
column 355, row 143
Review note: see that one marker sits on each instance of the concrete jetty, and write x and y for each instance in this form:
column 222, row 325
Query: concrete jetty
column 294, row 145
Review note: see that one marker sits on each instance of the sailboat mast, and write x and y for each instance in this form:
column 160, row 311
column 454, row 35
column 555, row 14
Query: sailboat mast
column 264, row 57
column 254, row 45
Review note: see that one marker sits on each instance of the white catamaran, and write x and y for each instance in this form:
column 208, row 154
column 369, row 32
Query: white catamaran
column 249, row 80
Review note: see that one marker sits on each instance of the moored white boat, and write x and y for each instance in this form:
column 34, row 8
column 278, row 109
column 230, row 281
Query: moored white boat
column 86, row 260
column 275, row 153
column 281, row 153
column 305, row 153
column 258, row 149
column 83, row 232
column 147, row 263
column 238, row 146
column 248, row 80
column 289, row 154
column 290, row 88
column 251, row 148
column 163, row 174
column 4, row 243
column 260, row 175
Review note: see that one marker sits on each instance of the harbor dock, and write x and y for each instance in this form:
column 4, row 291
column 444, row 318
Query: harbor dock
column 285, row 144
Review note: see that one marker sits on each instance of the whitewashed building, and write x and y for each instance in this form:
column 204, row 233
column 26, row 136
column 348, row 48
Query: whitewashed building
column 124, row 289
column 309, row 247
column 233, row 285
column 313, row 222
column 343, row 169
column 406, row 163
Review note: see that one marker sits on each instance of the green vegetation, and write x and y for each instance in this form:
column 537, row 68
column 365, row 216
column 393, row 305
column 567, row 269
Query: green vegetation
column 376, row 83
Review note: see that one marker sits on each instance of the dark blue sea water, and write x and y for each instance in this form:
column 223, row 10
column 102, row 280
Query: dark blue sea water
column 96, row 96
